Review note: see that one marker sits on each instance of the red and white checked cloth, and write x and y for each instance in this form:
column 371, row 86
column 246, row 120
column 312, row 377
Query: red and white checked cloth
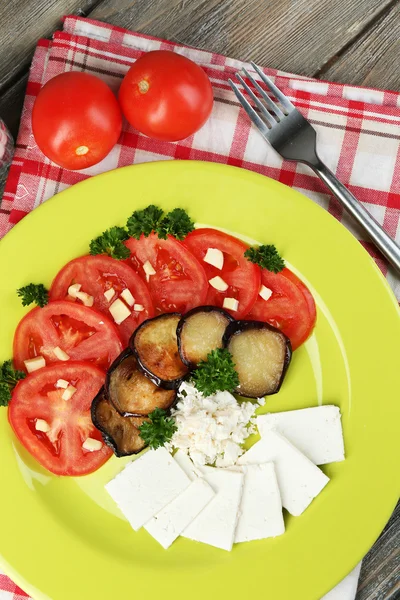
column 358, row 138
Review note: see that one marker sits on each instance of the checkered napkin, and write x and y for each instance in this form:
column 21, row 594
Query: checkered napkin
column 358, row 138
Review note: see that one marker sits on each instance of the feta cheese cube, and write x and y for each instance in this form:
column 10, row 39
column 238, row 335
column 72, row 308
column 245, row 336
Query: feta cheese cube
column 92, row 445
column 68, row 392
column 218, row 284
column 214, row 257
column 316, row 432
column 109, row 294
column 216, row 524
column 62, row 383
column 230, row 303
column 33, row 364
column 127, row 296
column 119, row 311
column 148, row 269
column 147, row 485
column 138, row 307
column 169, row 523
column 60, row 354
column 260, row 514
column 73, row 289
column 265, row 292
column 299, row 480
column 85, row 298
column 42, row 425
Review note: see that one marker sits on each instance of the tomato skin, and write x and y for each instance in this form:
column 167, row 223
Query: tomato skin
column 242, row 276
column 180, row 282
column 36, row 397
column 166, row 96
column 291, row 308
column 98, row 273
column 83, row 333
column 76, row 120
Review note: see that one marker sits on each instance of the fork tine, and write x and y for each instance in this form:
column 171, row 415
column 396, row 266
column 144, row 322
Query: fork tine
column 276, row 91
column 271, row 105
column 267, row 115
column 258, row 122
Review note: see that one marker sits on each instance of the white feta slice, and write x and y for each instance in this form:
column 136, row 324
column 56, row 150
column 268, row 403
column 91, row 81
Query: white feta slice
column 299, row 480
column 119, row 311
column 214, row 257
column 218, row 284
column 73, row 289
column 68, row 392
column 127, row 296
column 109, row 294
column 265, row 292
column 230, row 303
column 62, row 383
column 92, row 445
column 187, row 465
column 216, row 524
column 169, row 523
column 147, row 485
column 260, row 513
column 316, row 432
column 33, row 364
column 138, row 307
column 148, row 269
column 60, row 354
column 42, row 425
column 85, row 298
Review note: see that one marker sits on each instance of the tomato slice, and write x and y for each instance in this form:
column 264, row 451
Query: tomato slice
column 179, row 282
column 82, row 332
column 242, row 277
column 291, row 308
column 37, row 397
column 96, row 275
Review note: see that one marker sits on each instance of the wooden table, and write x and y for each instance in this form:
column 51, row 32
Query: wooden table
column 353, row 41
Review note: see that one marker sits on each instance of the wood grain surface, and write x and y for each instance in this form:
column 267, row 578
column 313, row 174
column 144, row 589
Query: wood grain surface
column 353, row 41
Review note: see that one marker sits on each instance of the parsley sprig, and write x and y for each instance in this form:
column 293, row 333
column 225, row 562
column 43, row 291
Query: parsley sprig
column 152, row 219
column 267, row 257
column 144, row 221
column 159, row 430
column 177, row 223
column 111, row 242
column 9, row 377
column 216, row 374
column 34, row 292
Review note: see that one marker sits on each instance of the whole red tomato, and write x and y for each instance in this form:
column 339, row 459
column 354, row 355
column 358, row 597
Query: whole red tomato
column 76, row 120
column 166, row 96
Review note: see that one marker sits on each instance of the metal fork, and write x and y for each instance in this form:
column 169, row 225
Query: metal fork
column 294, row 138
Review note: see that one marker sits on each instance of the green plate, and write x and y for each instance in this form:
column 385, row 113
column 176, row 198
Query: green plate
column 62, row 538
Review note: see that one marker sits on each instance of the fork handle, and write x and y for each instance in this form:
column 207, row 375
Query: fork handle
column 379, row 237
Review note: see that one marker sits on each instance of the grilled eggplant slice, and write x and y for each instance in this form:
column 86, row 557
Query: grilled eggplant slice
column 261, row 355
column 155, row 346
column 120, row 433
column 131, row 392
column 200, row 331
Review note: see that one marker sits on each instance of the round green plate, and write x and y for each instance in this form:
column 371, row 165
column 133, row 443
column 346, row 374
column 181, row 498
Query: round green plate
column 63, row 538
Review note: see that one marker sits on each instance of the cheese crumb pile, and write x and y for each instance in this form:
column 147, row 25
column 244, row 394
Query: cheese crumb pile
column 211, row 429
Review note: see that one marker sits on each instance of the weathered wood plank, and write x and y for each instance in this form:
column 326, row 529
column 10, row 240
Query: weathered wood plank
column 11, row 102
column 294, row 35
column 22, row 23
column 374, row 59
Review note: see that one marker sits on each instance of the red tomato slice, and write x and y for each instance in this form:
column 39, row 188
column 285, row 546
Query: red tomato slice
column 96, row 274
column 242, row 277
column 179, row 282
column 83, row 333
column 291, row 308
column 37, row 397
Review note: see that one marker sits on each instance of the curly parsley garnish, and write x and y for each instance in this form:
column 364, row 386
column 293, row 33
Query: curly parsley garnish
column 9, row 377
column 216, row 374
column 267, row 257
column 159, row 430
column 111, row 242
column 34, row 292
column 177, row 223
column 152, row 219
column 144, row 221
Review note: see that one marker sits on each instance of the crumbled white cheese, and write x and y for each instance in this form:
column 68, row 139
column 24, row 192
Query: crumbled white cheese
column 85, row 298
column 109, row 294
column 68, row 392
column 211, row 429
column 138, row 307
column 230, row 303
column 62, row 383
column 92, row 445
column 33, row 364
column 119, row 311
column 73, row 289
column 214, row 257
column 60, row 354
column 42, row 425
column 265, row 292
column 149, row 270
column 127, row 296
column 218, row 284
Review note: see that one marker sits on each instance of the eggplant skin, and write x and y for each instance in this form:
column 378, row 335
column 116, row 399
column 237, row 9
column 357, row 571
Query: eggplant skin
column 237, row 327
column 159, row 379
column 195, row 311
column 121, row 434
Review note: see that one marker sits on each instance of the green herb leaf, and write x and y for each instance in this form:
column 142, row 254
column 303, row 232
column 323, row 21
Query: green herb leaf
column 267, row 257
column 160, row 429
column 216, row 374
column 9, row 377
column 144, row 221
column 111, row 242
column 34, row 292
column 177, row 223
